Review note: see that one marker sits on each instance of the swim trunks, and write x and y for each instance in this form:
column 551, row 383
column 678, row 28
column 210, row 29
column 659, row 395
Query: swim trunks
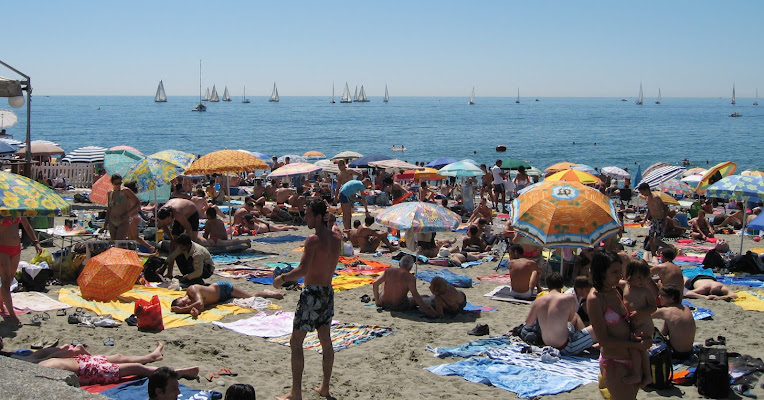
column 690, row 284
column 193, row 220
column 523, row 296
column 344, row 199
column 96, row 370
column 578, row 341
column 225, row 290
column 315, row 308
column 656, row 228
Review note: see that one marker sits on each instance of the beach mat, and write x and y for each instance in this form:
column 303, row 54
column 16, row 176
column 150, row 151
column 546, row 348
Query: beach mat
column 36, row 302
column 460, row 281
column 280, row 239
column 138, row 390
column 263, row 325
column 697, row 312
column 749, row 300
column 343, row 335
column 500, row 278
column 124, row 306
column 474, row 308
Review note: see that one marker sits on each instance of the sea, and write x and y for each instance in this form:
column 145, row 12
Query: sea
column 594, row 131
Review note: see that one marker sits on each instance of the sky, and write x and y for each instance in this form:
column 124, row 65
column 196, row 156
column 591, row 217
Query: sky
column 416, row 48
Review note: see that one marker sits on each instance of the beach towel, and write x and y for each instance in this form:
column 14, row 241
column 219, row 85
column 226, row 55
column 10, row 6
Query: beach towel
column 501, row 293
column 343, row 335
column 522, row 381
column 500, row 278
column 98, row 388
column 375, row 269
column 476, row 262
column 473, row 308
column 36, row 302
column 746, row 280
column 262, row 324
column 138, row 390
column 124, row 306
column 238, row 272
column 227, row 258
column 280, row 239
column 749, row 300
column 345, row 282
column 697, row 312
column 693, row 272
column 460, row 281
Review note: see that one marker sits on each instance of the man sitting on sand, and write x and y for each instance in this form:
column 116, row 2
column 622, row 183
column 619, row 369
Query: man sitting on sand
column 369, row 239
column 734, row 220
column 199, row 296
column 674, row 228
column 706, row 287
column 352, row 234
column 215, row 233
column 668, row 272
column 701, row 229
column 398, row 282
column 192, row 259
column 555, row 314
column 678, row 323
column 523, row 273
column 473, row 241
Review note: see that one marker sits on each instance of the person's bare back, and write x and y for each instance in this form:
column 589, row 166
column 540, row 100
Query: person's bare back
column 669, row 273
column 553, row 311
column 397, row 282
column 520, row 272
column 215, row 229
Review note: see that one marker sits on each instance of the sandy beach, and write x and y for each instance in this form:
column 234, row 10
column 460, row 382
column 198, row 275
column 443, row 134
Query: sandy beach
column 386, row 367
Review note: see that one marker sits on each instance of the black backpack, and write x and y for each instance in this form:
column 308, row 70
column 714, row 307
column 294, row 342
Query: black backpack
column 660, row 366
column 150, row 268
column 747, row 262
column 712, row 376
column 713, row 260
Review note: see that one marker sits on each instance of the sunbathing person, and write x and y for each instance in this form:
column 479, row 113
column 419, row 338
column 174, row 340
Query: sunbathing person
column 352, row 234
column 398, row 283
column 678, row 322
column 735, row 220
column 199, row 296
column 668, row 272
column 446, row 299
column 215, row 233
column 523, row 273
column 253, row 224
column 706, row 287
column 473, row 241
column 369, row 239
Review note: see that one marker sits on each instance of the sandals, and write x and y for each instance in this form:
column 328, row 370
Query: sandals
column 109, row 341
column 61, row 312
column 720, row 340
column 38, row 318
column 221, row 372
column 79, row 342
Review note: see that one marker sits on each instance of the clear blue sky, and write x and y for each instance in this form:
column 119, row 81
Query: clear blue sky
column 417, row 48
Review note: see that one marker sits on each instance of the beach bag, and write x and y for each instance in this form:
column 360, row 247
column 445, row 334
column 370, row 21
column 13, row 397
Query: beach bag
column 712, row 375
column 747, row 262
column 713, row 260
column 37, row 282
column 149, row 314
column 150, row 268
column 660, row 366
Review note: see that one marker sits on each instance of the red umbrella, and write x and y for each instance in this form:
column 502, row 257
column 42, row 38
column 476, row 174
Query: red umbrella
column 109, row 274
column 99, row 193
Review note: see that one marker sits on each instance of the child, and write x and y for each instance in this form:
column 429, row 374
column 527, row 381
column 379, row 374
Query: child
column 639, row 294
column 215, row 233
column 446, row 299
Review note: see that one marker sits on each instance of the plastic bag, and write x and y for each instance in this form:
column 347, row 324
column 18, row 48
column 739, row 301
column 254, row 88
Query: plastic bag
column 44, row 256
column 149, row 314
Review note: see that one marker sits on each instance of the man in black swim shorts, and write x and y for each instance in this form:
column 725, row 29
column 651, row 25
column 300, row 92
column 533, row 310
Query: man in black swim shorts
column 183, row 216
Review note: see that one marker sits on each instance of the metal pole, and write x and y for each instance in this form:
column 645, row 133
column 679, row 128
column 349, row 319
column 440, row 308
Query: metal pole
column 28, row 164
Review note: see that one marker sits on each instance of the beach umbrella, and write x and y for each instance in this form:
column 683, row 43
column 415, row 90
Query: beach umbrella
column 471, row 161
column 347, row 155
column 715, row 174
column 738, row 187
column 6, row 148
column 363, row 162
column 159, row 169
column 427, row 174
column 394, row 164
column 85, row 155
column 615, row 172
column 461, row 169
column 653, row 167
column 560, row 166
column 564, row 214
column 693, row 171
column 224, row 162
column 418, row 216
column 637, row 177
column 572, row 175
column 265, row 158
column 533, row 171
column 120, row 161
column 40, row 148
column 13, row 142
column 99, row 192
column 662, row 174
column 757, row 223
column 405, row 175
column 8, row 118
column 125, row 147
column 23, row 197
column 440, row 162
column 754, row 172
column 327, row 166
column 514, row 163
column 692, row 180
column 585, row 168
column 665, row 197
column 109, row 274
column 675, row 187
column 314, row 155
column 292, row 169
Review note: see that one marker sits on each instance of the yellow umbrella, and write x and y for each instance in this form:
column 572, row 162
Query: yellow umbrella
column 427, row 174
column 754, row 172
column 225, row 161
column 572, row 175
column 560, row 166
column 693, row 171
column 666, row 198
column 314, row 153
column 715, row 174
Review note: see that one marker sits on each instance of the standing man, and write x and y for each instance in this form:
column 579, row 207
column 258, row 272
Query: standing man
column 485, row 184
column 343, row 177
column 315, row 308
column 656, row 214
column 183, row 216
column 498, row 187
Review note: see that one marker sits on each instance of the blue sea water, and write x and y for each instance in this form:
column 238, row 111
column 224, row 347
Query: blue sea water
column 606, row 131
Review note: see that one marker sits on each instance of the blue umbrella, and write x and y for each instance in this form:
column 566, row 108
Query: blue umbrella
column 757, row 223
column 738, row 187
column 364, row 161
column 441, row 162
column 352, row 187
column 636, row 176
column 6, row 148
column 586, row 168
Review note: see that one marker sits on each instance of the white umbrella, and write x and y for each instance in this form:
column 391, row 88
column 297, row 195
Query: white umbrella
column 8, row 118
column 615, row 172
column 347, row 155
column 87, row 154
column 394, row 163
column 293, row 158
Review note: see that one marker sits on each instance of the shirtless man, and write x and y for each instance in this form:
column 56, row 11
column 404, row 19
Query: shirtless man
column 674, row 228
column 369, row 239
column 248, row 208
column 485, row 185
column 284, row 193
column 701, row 228
column 352, row 234
column 523, row 273
column 706, row 287
column 183, row 216
column 215, row 233
column 258, row 190
column 555, row 314
column 398, row 282
column 343, row 177
column 298, row 200
column 735, row 220
column 315, row 308
column 481, row 211
column 473, row 241
column 276, row 164
column 668, row 272
column 199, row 296
column 200, row 200
column 656, row 213
column 678, row 323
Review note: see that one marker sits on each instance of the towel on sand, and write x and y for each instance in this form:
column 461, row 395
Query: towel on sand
column 36, row 301
column 343, row 336
column 697, row 312
column 280, row 239
column 262, row 324
column 460, row 281
column 749, row 300
column 138, row 390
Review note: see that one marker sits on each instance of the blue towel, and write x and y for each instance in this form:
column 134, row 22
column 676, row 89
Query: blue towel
column 473, row 348
column 698, row 313
column 473, row 308
column 280, row 239
column 748, row 280
column 233, row 257
column 461, row 281
column 525, row 382
column 693, row 272
column 138, row 390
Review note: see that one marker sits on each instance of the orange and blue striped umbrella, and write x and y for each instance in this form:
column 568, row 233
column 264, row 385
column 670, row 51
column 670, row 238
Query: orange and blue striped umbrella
column 109, row 274
column 564, row 214
column 573, row 175
column 419, row 217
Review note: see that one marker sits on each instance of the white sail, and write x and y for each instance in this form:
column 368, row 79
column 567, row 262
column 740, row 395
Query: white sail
column 362, row 96
column 756, row 102
column 641, row 98
column 733, row 94
column 214, row 97
column 244, row 98
column 207, row 95
column 226, row 95
column 160, row 97
column 332, row 93
column 518, row 96
column 355, row 95
column 387, row 97
column 274, row 94
column 660, row 98
column 346, row 95
column 472, row 98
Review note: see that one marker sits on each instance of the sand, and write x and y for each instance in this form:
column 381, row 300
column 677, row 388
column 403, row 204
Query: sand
column 383, row 368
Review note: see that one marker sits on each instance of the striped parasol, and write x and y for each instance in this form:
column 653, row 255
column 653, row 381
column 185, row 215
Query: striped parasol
column 85, row 155
column 662, row 174
column 573, row 175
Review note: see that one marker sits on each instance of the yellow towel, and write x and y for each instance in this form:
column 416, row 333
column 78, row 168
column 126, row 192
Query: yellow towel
column 749, row 301
column 124, row 306
column 758, row 250
column 346, row 282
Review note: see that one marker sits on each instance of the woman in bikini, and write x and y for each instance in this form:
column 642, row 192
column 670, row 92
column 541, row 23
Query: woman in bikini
column 10, row 254
column 609, row 317
column 122, row 206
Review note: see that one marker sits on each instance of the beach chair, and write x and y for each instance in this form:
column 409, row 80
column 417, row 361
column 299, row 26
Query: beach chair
column 625, row 196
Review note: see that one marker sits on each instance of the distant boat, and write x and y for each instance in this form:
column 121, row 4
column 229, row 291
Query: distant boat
column 346, row 95
column 274, row 94
column 660, row 98
column 733, row 95
column 199, row 107
column 641, row 98
column 207, row 95
column 624, row 100
column 244, row 98
column 736, row 115
column 362, row 96
column 387, row 97
column 537, row 99
column 355, row 95
column 214, row 98
column 501, row 148
column 226, row 95
column 518, row 96
column 161, row 97
column 756, row 102
column 332, row 93
column 472, row 98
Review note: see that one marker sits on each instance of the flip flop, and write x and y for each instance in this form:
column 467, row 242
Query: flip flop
column 61, row 312
column 109, row 341
column 221, row 372
column 76, row 342
column 37, row 345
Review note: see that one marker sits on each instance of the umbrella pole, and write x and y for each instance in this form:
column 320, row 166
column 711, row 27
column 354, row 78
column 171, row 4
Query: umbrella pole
column 742, row 231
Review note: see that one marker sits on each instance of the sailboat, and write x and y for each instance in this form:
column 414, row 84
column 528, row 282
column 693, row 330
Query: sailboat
column 733, row 94
column 660, row 98
column 355, row 95
column 333, row 93
column 756, row 102
column 244, row 98
column 207, row 95
column 472, row 99
column 274, row 95
column 161, row 97
column 199, row 107
column 226, row 95
column 346, row 95
column 641, row 98
column 214, row 98
column 518, row 96
column 387, row 97
column 362, row 96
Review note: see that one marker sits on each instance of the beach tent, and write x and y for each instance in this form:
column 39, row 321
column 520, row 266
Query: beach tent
column 86, row 155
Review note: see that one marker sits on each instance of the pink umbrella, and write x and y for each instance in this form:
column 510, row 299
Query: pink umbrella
column 125, row 147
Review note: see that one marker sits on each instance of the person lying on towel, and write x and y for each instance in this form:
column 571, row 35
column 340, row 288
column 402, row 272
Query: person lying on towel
column 198, row 296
